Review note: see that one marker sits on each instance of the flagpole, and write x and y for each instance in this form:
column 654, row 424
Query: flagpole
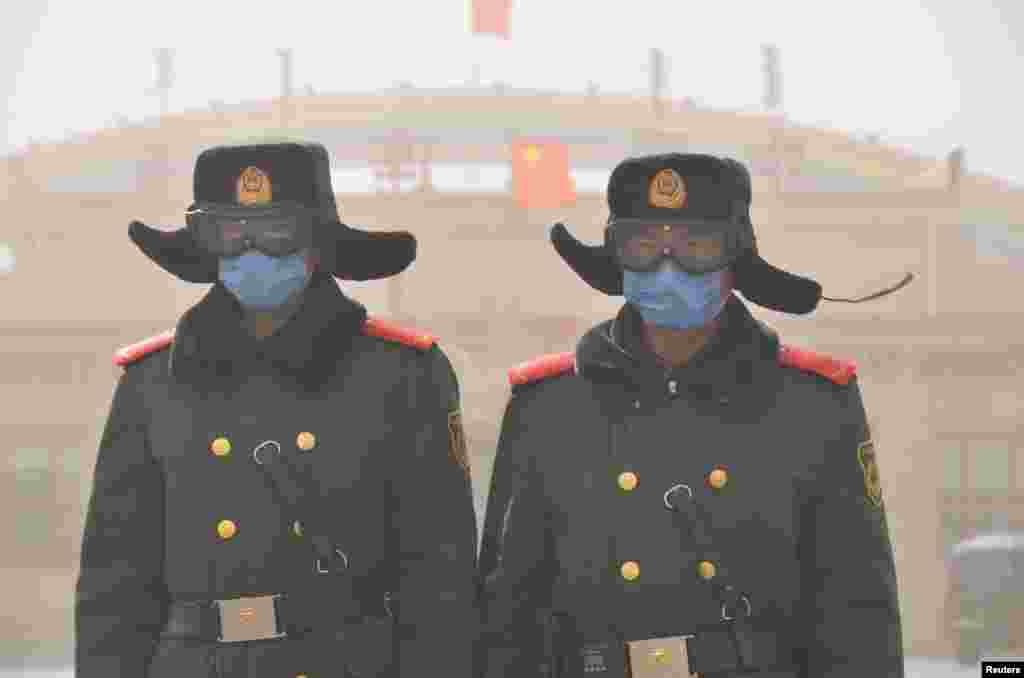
column 475, row 36
column 487, row 17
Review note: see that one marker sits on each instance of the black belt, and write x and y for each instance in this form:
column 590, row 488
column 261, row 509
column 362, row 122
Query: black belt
column 710, row 652
column 238, row 619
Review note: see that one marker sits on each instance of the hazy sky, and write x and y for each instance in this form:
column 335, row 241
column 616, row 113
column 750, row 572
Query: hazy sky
column 929, row 74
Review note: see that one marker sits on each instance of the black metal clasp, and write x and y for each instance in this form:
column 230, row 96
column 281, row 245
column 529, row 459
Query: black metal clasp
column 324, row 565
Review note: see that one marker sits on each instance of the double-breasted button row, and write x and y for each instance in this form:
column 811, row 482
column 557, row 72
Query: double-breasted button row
column 628, row 481
column 226, row 529
column 630, row 570
column 717, row 479
column 221, row 446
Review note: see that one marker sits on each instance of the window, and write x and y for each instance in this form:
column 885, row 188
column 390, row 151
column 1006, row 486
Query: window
column 50, row 369
column 982, row 488
column 33, row 489
column 990, row 467
column 981, row 465
column 953, row 466
column 47, row 503
column 952, row 529
column 6, row 259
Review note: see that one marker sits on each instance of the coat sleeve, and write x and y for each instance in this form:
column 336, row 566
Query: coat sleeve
column 436, row 535
column 120, row 597
column 515, row 559
column 849, row 579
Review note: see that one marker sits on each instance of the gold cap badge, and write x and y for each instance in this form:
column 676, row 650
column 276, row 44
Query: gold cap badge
column 253, row 187
column 667, row 189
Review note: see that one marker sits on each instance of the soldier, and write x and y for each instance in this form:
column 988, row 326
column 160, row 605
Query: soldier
column 683, row 494
column 282, row 487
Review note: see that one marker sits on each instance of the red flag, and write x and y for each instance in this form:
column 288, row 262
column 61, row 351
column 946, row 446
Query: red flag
column 491, row 16
column 540, row 174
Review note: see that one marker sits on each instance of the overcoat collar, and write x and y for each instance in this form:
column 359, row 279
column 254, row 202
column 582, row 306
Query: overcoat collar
column 210, row 339
column 615, row 350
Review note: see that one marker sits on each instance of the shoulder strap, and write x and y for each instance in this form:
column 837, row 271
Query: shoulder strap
column 549, row 365
column 834, row 369
column 129, row 354
column 390, row 331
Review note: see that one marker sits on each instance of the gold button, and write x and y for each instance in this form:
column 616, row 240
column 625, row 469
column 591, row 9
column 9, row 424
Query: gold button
column 220, row 446
column 226, row 529
column 305, row 441
column 706, row 569
column 630, row 570
column 297, row 528
column 661, row 656
column 628, row 481
column 718, row 478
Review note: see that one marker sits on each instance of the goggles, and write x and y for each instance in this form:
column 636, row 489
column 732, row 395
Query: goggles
column 229, row 230
column 697, row 246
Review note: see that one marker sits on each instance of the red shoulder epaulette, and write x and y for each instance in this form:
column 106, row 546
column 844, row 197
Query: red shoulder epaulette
column 375, row 327
column 839, row 371
column 549, row 365
column 133, row 352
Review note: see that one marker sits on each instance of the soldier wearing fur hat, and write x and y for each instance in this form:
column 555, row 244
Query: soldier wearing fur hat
column 282, row 486
column 684, row 493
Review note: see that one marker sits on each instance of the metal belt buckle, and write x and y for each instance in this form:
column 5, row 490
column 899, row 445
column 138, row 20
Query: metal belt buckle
column 244, row 619
column 660, row 658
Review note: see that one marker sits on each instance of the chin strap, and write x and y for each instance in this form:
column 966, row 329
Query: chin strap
column 888, row 290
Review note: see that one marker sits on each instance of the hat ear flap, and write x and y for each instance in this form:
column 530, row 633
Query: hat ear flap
column 594, row 264
column 773, row 288
column 176, row 252
column 354, row 254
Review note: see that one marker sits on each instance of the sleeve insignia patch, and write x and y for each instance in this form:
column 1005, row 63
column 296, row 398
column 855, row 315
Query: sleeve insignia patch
column 869, row 466
column 457, row 441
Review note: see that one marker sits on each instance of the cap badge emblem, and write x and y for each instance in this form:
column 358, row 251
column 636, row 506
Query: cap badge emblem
column 667, row 189
column 254, row 187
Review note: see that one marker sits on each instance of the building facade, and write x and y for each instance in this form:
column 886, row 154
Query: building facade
column 938, row 362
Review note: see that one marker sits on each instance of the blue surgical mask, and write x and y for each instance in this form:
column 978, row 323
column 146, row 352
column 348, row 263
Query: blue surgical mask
column 671, row 297
column 261, row 282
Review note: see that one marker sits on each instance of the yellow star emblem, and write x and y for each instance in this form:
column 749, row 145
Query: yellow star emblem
column 532, row 154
